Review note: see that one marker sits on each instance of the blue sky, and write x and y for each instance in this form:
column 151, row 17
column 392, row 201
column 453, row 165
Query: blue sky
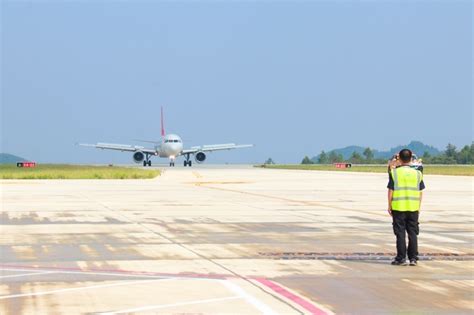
column 293, row 77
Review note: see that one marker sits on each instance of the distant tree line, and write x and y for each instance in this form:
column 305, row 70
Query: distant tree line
column 450, row 156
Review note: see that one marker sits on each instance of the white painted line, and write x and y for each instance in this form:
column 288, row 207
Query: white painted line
column 26, row 274
column 80, row 288
column 118, row 274
column 155, row 307
column 265, row 309
column 85, row 272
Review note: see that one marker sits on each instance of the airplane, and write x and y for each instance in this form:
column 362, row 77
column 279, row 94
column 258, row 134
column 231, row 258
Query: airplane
column 170, row 146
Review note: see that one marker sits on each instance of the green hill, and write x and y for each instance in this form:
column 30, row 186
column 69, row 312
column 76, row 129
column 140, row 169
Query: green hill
column 416, row 146
column 6, row 158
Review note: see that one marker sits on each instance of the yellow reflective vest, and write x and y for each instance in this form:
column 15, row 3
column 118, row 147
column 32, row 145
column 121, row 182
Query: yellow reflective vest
column 406, row 194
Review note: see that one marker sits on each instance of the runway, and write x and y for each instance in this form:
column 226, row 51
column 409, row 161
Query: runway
column 230, row 240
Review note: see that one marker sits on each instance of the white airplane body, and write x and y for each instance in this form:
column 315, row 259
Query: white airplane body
column 170, row 146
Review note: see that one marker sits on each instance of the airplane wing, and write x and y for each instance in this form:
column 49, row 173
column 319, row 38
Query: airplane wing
column 215, row 147
column 119, row 147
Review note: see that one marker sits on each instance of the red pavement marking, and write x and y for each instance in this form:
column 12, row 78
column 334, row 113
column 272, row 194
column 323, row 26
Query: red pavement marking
column 292, row 297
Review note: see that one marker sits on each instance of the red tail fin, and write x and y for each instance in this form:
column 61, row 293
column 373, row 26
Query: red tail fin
column 162, row 124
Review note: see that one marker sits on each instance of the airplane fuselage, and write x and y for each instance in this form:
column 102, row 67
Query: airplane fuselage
column 170, row 147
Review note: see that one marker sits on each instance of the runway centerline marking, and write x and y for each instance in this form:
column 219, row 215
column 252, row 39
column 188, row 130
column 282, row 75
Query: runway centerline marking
column 196, row 174
column 154, row 307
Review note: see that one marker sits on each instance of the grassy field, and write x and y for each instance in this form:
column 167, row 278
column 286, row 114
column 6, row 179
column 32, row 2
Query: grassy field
column 64, row 171
column 465, row 170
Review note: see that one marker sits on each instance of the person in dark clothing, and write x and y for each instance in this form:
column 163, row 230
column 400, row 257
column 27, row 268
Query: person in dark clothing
column 404, row 199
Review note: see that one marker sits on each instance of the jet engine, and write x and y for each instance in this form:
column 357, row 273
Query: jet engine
column 138, row 157
column 200, row 157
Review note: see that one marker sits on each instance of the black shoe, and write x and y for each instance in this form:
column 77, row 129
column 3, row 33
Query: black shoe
column 413, row 262
column 399, row 263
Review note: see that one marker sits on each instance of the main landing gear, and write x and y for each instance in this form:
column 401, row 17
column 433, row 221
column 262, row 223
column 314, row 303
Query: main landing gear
column 188, row 161
column 147, row 161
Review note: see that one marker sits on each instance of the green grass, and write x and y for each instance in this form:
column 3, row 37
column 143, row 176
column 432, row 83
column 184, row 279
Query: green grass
column 465, row 170
column 65, row 171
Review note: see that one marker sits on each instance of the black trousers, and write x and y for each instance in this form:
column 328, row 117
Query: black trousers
column 406, row 222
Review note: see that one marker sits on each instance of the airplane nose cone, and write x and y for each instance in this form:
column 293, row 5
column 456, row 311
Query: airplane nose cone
column 175, row 149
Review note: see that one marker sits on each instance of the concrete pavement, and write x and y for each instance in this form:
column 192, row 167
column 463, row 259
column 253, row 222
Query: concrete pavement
column 218, row 240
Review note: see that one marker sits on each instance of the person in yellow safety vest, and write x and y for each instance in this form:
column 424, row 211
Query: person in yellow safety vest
column 404, row 199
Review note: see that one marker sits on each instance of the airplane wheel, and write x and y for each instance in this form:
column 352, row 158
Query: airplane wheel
column 144, row 163
column 149, row 163
column 185, row 163
column 190, row 163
